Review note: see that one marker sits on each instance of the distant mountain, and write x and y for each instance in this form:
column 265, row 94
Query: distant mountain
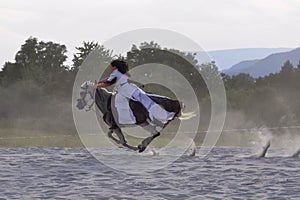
column 265, row 66
column 227, row 58
column 240, row 67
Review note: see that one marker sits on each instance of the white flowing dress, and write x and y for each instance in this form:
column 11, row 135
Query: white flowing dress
column 126, row 91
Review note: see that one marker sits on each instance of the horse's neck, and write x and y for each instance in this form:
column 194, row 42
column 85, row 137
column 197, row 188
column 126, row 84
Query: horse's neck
column 102, row 99
column 105, row 94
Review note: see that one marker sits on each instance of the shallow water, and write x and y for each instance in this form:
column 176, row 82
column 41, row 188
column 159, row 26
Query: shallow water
column 73, row 173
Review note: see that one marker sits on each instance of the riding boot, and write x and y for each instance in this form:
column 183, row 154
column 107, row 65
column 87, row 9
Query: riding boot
column 156, row 112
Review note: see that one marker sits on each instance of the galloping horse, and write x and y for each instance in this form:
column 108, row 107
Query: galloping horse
column 104, row 99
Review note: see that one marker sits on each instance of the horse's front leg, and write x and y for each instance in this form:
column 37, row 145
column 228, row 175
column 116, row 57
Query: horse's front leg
column 110, row 132
column 120, row 135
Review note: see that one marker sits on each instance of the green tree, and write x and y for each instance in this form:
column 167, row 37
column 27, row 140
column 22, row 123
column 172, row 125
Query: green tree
column 82, row 53
column 31, row 84
column 184, row 63
column 41, row 62
column 287, row 68
column 240, row 81
column 92, row 56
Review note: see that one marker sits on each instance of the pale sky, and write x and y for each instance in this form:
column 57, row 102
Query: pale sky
column 213, row 24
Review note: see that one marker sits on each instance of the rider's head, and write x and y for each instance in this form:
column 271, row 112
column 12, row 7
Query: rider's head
column 121, row 65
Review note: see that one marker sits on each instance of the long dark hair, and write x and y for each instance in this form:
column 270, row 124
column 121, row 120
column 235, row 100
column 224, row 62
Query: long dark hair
column 121, row 65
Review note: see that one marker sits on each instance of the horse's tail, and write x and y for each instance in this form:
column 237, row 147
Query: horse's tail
column 184, row 116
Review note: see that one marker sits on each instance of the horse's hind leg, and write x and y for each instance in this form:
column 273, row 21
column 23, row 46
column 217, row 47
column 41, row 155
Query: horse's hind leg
column 147, row 141
column 121, row 137
column 154, row 133
column 130, row 147
column 149, row 128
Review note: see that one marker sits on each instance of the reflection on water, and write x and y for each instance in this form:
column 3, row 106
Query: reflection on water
column 61, row 173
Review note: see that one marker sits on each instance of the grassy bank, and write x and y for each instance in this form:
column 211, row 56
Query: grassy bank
column 10, row 138
column 14, row 138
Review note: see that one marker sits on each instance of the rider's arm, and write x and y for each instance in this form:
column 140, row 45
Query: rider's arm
column 106, row 82
column 103, row 80
column 103, row 85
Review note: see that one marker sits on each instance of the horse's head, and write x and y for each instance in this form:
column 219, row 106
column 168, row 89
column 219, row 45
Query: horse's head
column 87, row 96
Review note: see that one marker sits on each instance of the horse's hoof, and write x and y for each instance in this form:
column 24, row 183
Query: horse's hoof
column 135, row 148
column 141, row 148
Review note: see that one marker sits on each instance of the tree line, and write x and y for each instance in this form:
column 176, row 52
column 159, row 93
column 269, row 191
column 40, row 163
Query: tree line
column 36, row 89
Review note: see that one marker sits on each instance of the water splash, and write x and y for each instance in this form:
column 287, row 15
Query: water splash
column 265, row 149
column 265, row 136
column 281, row 138
column 297, row 153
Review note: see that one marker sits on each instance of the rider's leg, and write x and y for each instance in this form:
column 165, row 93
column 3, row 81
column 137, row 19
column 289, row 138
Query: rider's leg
column 156, row 112
column 140, row 95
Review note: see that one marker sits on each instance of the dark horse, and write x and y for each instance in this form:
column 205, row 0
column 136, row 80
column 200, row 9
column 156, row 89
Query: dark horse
column 103, row 99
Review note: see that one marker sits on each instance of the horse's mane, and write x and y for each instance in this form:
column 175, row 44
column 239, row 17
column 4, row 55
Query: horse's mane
column 105, row 90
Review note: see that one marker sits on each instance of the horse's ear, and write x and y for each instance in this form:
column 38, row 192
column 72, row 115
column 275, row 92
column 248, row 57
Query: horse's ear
column 90, row 83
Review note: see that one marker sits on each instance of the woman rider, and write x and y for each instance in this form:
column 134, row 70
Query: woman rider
column 127, row 90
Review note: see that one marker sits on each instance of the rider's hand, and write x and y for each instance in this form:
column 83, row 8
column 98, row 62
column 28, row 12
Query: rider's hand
column 99, row 85
column 102, row 85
